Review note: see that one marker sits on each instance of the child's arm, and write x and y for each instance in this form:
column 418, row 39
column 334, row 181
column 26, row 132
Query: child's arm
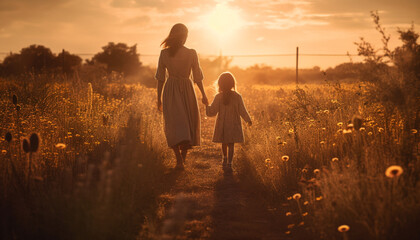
column 213, row 109
column 243, row 112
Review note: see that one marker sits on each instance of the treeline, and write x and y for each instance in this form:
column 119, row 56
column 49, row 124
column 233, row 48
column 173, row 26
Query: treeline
column 38, row 59
column 124, row 61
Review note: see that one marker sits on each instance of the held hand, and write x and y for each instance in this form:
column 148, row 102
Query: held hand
column 159, row 106
column 205, row 100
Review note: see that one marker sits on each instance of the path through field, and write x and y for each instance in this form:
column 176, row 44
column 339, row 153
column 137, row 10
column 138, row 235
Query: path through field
column 206, row 203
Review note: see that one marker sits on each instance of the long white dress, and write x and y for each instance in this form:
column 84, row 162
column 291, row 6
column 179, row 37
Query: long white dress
column 228, row 126
column 180, row 108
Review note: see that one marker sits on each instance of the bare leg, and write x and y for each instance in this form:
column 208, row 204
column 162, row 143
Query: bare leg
column 184, row 154
column 231, row 148
column 178, row 156
column 224, row 152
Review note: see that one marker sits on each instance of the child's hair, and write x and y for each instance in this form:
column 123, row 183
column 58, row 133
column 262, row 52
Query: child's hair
column 225, row 84
column 176, row 38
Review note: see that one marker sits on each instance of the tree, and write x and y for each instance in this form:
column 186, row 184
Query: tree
column 67, row 62
column 392, row 78
column 38, row 59
column 119, row 57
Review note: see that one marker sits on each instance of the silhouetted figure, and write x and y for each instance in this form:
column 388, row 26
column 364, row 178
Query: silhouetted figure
column 229, row 107
column 178, row 100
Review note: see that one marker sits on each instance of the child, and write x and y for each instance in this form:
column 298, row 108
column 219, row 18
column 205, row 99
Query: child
column 229, row 107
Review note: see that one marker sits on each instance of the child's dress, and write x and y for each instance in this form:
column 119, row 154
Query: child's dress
column 228, row 127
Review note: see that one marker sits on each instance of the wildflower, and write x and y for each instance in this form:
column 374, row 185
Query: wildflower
column 340, row 131
column 267, row 161
column 304, row 170
column 287, row 232
column 291, row 131
column 288, row 214
column 285, row 158
column 319, row 198
column 370, row 133
column 413, row 131
column 322, row 142
column 393, row 171
column 297, row 196
column 326, row 111
column 380, row 129
column 305, row 203
column 345, row 131
column 278, row 138
column 334, row 159
column 343, row 228
column 323, row 129
column 34, row 142
column 362, row 129
column 289, row 198
column 8, row 137
column 305, row 214
column 340, row 124
column 349, row 126
column 60, row 145
column 317, row 171
column 301, row 223
column 3, row 151
column 290, row 226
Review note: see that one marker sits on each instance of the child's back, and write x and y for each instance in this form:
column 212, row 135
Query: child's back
column 228, row 127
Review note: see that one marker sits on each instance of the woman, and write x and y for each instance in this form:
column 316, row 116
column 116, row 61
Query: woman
column 178, row 100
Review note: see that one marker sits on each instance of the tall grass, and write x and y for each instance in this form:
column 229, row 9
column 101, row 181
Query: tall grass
column 98, row 169
column 324, row 143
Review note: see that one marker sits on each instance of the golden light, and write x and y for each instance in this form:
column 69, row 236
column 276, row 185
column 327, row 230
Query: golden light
column 223, row 21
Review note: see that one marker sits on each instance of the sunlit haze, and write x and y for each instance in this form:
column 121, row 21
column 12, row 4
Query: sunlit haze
column 231, row 27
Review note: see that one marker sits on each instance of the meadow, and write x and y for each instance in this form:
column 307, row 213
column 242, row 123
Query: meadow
column 84, row 157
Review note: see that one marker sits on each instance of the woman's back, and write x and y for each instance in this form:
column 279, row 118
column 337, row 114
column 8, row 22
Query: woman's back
column 180, row 65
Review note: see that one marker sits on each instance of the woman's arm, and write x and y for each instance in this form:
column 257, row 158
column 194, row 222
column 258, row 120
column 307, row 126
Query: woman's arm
column 160, row 77
column 203, row 93
column 198, row 76
column 159, row 95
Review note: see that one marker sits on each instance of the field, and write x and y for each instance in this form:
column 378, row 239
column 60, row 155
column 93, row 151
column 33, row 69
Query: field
column 83, row 161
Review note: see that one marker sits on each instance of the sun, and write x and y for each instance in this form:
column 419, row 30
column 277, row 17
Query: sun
column 223, row 21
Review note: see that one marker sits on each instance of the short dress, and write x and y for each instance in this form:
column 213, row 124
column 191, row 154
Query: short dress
column 180, row 108
column 228, row 126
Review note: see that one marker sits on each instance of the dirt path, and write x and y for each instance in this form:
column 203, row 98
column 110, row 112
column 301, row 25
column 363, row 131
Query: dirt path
column 207, row 203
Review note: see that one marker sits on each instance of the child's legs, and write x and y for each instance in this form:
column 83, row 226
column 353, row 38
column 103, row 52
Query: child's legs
column 224, row 149
column 231, row 148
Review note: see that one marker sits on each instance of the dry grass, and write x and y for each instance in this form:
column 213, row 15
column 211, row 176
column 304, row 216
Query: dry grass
column 338, row 170
column 97, row 171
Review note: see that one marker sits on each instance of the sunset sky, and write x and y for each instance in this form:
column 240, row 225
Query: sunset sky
column 235, row 27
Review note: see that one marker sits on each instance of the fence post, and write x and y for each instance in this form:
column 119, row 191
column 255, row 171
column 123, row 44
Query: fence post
column 297, row 66
column 62, row 66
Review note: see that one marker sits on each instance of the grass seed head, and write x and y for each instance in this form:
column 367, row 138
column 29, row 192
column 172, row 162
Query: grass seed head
column 14, row 99
column 8, row 137
column 25, row 146
column 34, row 142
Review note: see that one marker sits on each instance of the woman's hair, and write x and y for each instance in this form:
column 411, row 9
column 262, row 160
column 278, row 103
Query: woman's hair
column 225, row 84
column 176, row 38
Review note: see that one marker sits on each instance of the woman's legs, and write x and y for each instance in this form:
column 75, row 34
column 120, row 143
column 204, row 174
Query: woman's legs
column 178, row 157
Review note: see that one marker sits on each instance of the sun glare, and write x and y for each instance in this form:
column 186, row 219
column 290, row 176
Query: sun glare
column 223, row 21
